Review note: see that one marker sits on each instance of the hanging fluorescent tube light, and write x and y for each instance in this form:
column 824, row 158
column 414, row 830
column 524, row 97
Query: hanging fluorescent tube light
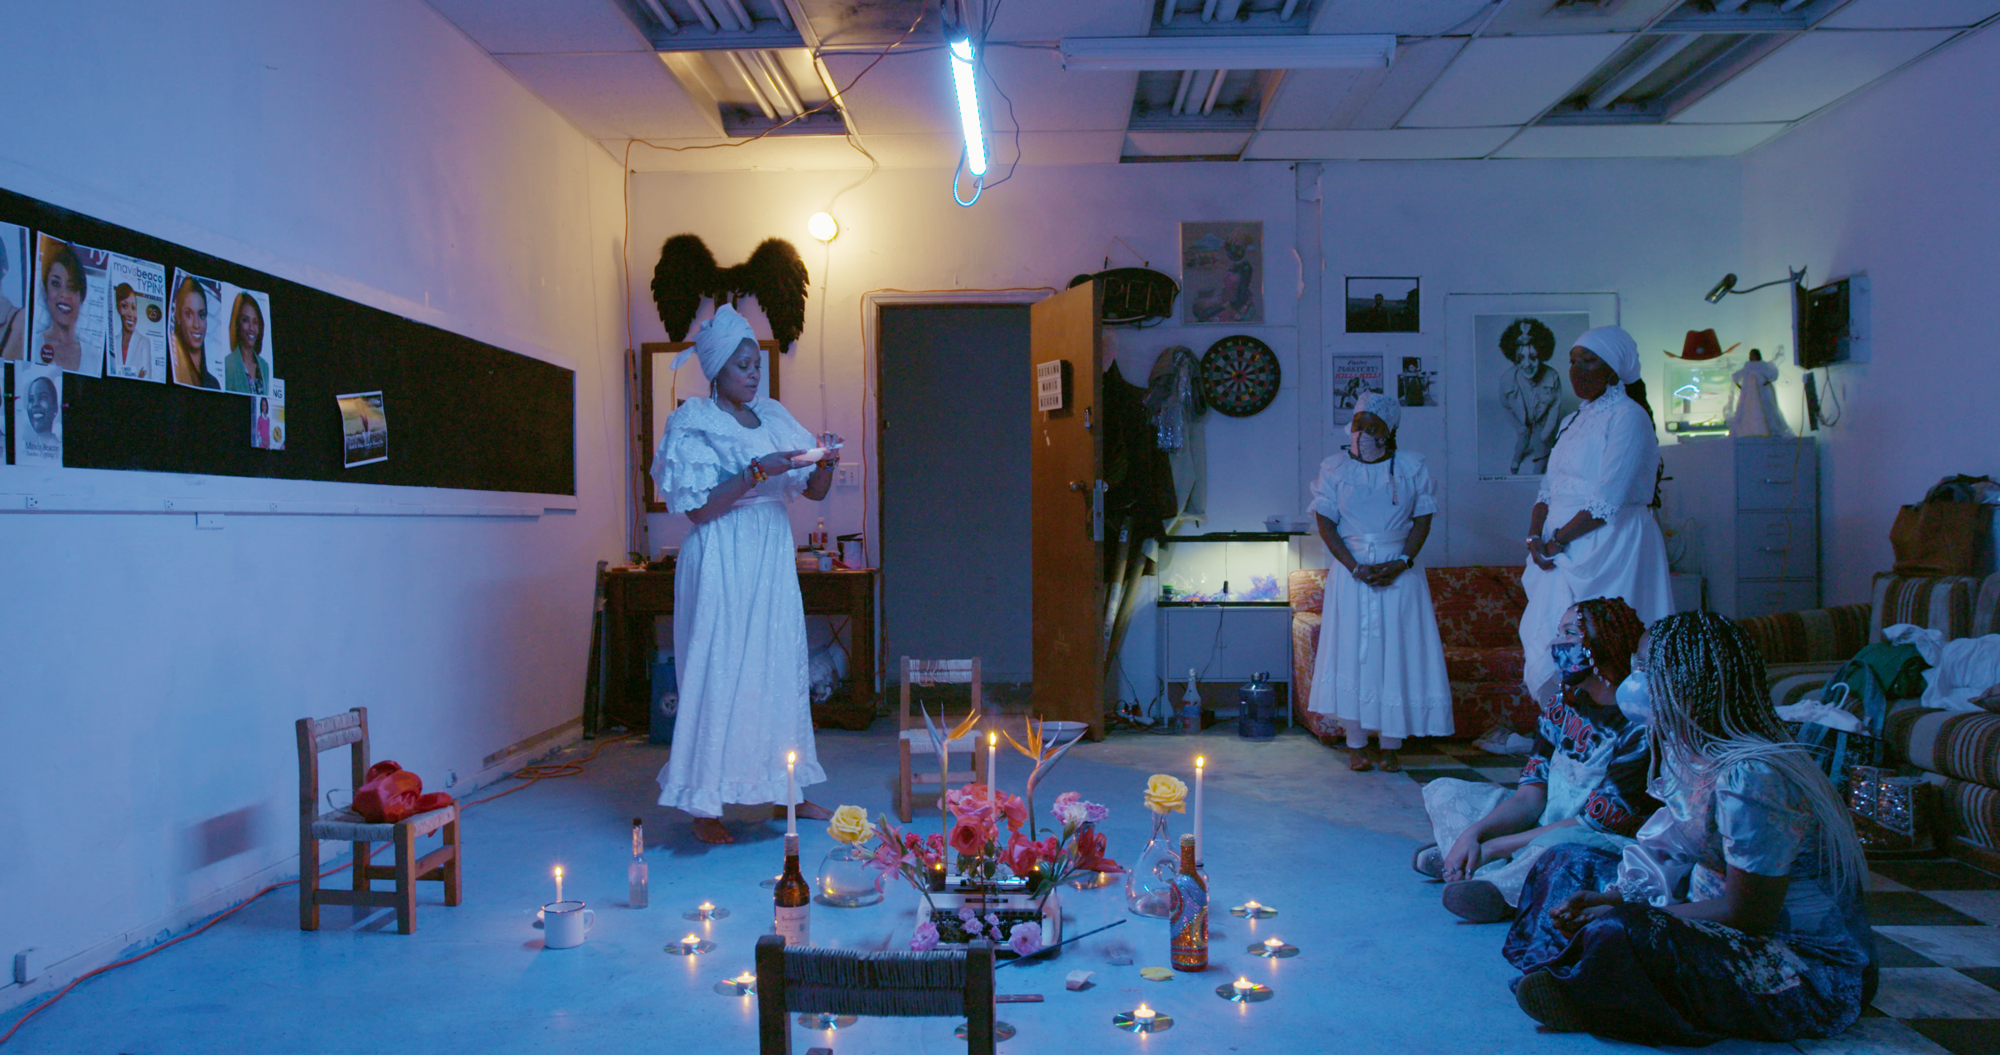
column 1311, row 51
column 962, row 72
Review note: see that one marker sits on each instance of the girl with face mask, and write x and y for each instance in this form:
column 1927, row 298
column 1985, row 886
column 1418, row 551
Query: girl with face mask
column 1380, row 666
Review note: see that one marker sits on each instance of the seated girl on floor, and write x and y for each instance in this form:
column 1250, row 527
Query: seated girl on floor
column 1738, row 913
column 1585, row 782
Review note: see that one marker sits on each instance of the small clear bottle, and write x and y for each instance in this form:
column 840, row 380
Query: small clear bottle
column 636, row 872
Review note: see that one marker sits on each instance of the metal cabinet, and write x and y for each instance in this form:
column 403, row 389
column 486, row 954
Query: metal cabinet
column 1745, row 514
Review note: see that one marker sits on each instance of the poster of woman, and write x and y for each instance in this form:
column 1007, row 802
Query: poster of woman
column 267, row 419
column 138, row 325
column 246, row 362
column 38, row 414
column 364, row 429
column 195, row 305
column 13, row 290
column 1523, row 395
column 71, row 306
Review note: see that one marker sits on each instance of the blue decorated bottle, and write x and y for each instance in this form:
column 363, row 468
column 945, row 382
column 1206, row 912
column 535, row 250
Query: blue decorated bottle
column 1190, row 913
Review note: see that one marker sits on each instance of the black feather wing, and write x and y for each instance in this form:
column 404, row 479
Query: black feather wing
column 776, row 276
column 686, row 273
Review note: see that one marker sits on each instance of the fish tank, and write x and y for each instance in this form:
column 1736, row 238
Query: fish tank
column 1698, row 395
column 1235, row 567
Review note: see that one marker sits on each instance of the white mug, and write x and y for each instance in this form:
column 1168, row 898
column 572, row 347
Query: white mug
column 564, row 923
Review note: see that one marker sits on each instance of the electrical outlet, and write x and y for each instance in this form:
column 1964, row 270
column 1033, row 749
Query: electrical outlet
column 847, row 475
column 451, row 778
column 33, row 502
column 27, row 966
column 208, row 521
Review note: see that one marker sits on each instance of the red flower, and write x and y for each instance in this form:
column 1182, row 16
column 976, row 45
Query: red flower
column 969, row 805
column 1090, row 852
column 971, row 839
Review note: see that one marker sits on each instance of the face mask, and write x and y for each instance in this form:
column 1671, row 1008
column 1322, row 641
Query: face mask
column 1635, row 699
column 1573, row 661
column 1366, row 446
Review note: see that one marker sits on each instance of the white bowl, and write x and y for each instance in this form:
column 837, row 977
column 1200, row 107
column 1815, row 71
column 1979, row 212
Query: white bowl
column 1059, row 733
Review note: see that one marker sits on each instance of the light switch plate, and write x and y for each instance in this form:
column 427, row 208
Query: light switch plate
column 27, row 966
column 847, row 475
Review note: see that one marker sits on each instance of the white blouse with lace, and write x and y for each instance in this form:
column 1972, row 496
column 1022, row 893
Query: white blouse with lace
column 1605, row 457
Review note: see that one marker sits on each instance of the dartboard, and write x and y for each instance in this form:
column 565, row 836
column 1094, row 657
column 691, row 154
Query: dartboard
column 1239, row 376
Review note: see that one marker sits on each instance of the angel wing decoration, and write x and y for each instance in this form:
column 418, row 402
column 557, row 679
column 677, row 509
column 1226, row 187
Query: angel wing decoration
column 774, row 274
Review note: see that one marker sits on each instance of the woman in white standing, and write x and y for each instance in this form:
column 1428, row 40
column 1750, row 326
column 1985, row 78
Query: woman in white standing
column 731, row 464
column 1593, row 533
column 1380, row 666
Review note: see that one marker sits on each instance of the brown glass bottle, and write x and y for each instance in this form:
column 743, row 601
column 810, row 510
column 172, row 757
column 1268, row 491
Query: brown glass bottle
column 1189, row 915
column 793, row 899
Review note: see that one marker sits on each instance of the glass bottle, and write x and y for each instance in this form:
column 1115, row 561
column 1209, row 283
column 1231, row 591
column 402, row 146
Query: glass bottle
column 793, row 899
column 1149, row 884
column 1190, row 913
column 636, row 872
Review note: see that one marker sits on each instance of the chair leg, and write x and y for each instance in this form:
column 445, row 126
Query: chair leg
column 903, row 789
column 406, row 879
column 774, row 1023
column 309, row 883
column 451, row 874
column 360, row 869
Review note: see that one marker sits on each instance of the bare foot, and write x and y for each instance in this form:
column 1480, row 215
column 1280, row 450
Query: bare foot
column 711, row 830
column 807, row 811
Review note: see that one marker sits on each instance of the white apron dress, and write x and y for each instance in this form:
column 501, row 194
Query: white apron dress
column 1605, row 462
column 739, row 622
column 1380, row 663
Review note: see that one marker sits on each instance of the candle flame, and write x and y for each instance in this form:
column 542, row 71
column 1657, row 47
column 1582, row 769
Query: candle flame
column 690, row 940
column 1200, row 761
column 746, row 978
column 992, row 739
column 558, row 871
column 1273, row 942
column 705, row 906
column 1242, row 982
column 791, row 758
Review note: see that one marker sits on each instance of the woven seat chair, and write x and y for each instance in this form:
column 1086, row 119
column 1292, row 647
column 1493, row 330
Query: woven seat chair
column 345, row 825
column 913, row 739
column 807, row 980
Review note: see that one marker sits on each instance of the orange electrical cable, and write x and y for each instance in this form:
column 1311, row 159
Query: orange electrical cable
column 530, row 774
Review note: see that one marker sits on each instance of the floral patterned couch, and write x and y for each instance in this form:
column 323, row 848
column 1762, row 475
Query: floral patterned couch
column 1479, row 616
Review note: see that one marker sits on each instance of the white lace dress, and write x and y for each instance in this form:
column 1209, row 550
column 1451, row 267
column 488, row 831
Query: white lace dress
column 1605, row 461
column 739, row 623
column 1380, row 664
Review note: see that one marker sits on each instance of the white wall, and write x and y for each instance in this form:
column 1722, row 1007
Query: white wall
column 1897, row 182
column 152, row 672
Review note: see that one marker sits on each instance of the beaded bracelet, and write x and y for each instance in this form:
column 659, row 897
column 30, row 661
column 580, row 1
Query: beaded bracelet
column 757, row 474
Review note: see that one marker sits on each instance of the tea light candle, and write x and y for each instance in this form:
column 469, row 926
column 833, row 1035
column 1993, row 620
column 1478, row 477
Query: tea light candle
column 707, row 909
column 791, row 793
column 1250, row 907
column 1273, row 944
column 559, row 883
column 1243, row 984
column 742, row 985
column 690, row 945
column 1144, row 1013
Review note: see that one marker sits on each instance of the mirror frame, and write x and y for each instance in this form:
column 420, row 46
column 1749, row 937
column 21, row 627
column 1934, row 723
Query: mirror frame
column 647, row 354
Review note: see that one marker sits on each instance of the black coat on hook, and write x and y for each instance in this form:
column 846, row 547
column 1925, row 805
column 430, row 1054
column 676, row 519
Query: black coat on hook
column 774, row 275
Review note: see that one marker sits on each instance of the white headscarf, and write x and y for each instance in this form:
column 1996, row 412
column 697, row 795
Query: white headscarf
column 1616, row 347
column 1382, row 406
column 717, row 341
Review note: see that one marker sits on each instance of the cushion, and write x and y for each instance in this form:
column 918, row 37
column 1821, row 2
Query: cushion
column 1483, row 664
column 1478, row 606
column 1816, row 635
column 1970, row 811
column 345, row 825
column 1937, row 603
column 1307, row 590
column 1960, row 744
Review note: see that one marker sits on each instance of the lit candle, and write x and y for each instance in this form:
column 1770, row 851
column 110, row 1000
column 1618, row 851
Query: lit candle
column 690, row 944
column 746, row 978
column 791, row 793
column 993, row 780
column 1273, row 944
column 1144, row 1013
column 1200, row 767
column 1244, row 984
column 706, row 909
column 1250, row 907
column 558, row 882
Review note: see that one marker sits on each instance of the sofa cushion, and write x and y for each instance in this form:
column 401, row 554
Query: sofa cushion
column 1306, row 589
column 1483, row 664
column 1818, row 635
column 1937, row 603
column 1971, row 812
column 1479, row 606
column 1960, row 744
column 1305, row 646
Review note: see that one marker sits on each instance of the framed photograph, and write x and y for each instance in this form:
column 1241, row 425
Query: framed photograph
column 1512, row 352
column 1222, row 272
column 1417, row 386
column 1382, row 305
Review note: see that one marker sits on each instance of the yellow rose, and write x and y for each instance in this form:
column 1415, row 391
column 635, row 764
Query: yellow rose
column 1165, row 794
column 850, row 824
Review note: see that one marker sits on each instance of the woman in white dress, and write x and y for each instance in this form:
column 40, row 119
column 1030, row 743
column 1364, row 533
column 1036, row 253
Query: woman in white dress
column 730, row 463
column 1592, row 533
column 1381, row 665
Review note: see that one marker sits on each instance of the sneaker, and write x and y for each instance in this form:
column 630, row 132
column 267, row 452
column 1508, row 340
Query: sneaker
column 1476, row 901
column 1428, row 861
column 1541, row 998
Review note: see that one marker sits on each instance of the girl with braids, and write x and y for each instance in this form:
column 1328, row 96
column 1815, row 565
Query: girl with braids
column 1585, row 782
column 1771, row 940
column 1381, row 664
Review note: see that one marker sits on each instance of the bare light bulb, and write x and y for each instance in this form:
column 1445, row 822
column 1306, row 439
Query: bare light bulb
column 822, row 226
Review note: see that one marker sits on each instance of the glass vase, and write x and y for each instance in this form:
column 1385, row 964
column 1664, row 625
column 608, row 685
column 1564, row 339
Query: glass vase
column 1149, row 885
column 845, row 880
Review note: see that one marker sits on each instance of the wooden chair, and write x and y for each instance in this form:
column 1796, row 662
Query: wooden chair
column 808, row 980
column 914, row 739
column 441, row 864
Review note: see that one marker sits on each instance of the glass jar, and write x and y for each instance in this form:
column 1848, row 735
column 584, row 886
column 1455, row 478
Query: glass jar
column 1149, row 885
column 845, row 880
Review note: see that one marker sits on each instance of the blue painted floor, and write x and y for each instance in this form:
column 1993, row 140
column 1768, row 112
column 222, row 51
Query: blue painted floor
column 1382, row 966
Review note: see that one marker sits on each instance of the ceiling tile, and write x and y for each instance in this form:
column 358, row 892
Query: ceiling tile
column 1808, row 73
column 1416, row 68
column 1184, row 144
column 1049, row 98
column 1542, row 16
column 613, row 96
column 1409, row 18
column 1055, row 19
column 543, row 26
column 1912, row 14
column 1377, row 144
column 1509, row 80
column 1306, row 99
column 1638, row 141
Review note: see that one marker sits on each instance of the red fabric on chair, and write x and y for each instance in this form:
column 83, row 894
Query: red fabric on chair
column 392, row 793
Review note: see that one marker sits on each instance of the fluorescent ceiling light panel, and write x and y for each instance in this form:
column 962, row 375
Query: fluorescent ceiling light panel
column 1294, row 52
column 1638, row 141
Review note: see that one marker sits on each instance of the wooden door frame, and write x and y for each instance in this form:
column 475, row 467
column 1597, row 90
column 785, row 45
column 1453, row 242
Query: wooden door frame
column 872, row 303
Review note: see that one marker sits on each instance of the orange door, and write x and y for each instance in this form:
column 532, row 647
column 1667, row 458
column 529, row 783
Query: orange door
column 1068, row 515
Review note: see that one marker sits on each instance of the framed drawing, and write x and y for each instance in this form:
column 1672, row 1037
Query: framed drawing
column 1222, row 272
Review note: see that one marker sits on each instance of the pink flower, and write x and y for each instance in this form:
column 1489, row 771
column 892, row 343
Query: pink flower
column 1072, row 810
column 1021, row 855
column 968, row 804
column 926, row 937
column 1090, row 852
column 1025, row 939
column 970, row 839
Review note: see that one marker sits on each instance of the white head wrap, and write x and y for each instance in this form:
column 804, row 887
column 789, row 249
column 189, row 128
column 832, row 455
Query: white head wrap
column 717, row 341
column 1382, row 406
column 1616, row 347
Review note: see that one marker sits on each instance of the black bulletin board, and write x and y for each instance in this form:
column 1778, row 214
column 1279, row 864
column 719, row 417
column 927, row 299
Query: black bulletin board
column 461, row 413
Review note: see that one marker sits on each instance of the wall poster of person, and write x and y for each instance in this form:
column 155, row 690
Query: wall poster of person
column 38, row 414
column 1416, row 386
column 1351, row 375
column 246, row 341
column 1222, row 272
column 71, row 306
column 267, row 418
column 364, row 429
column 14, row 271
column 1523, row 363
column 1382, row 305
column 137, row 347
column 195, row 343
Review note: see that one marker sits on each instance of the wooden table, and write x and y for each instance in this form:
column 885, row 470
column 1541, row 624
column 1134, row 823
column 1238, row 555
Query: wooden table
column 633, row 598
